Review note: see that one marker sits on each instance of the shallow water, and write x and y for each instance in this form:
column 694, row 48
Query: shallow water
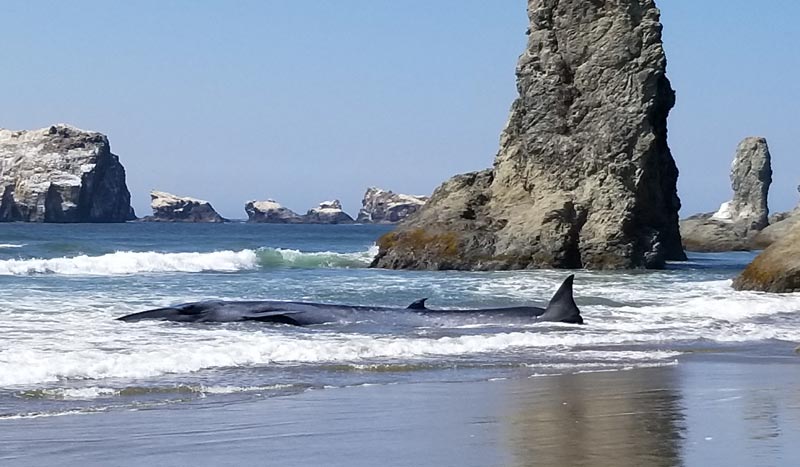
column 62, row 352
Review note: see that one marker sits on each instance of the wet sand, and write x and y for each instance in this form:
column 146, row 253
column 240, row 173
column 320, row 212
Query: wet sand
column 707, row 410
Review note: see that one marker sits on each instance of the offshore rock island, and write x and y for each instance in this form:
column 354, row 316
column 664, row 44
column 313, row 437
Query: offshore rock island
column 584, row 176
column 171, row 208
column 61, row 174
column 386, row 207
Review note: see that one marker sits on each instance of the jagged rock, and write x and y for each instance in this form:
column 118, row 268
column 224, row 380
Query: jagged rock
column 328, row 212
column 170, row 208
column 584, row 176
column 385, row 207
column 776, row 269
column 61, row 174
column 270, row 212
column 736, row 223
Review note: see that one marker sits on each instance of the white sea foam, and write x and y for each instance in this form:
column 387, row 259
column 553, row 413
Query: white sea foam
column 97, row 392
column 79, row 393
column 12, row 245
column 30, row 415
column 185, row 353
column 129, row 262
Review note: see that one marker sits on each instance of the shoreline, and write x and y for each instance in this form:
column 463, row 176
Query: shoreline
column 709, row 409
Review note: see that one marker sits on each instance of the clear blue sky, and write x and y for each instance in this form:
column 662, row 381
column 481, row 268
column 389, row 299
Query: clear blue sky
column 306, row 100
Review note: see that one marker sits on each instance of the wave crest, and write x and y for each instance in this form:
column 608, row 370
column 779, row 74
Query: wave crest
column 130, row 262
column 279, row 257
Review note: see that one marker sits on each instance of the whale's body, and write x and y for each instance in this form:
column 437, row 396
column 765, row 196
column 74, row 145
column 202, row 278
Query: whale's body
column 562, row 308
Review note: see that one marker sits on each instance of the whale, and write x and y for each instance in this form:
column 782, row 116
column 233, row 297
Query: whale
column 561, row 308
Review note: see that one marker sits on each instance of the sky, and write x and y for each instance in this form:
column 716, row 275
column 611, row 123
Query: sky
column 308, row 100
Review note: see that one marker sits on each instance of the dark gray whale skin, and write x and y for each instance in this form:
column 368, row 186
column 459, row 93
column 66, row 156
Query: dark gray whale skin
column 562, row 308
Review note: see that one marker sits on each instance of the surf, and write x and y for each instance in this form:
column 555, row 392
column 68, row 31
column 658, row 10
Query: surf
column 135, row 262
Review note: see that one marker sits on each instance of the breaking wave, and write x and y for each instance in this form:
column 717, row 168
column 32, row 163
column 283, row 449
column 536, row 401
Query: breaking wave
column 129, row 262
column 27, row 365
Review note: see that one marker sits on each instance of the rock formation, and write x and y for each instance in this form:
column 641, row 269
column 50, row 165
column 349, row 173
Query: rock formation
column 385, row 207
column 270, row 212
column 751, row 176
column 737, row 221
column 776, row 269
column 61, row 174
column 584, row 176
column 779, row 228
column 780, row 225
column 328, row 212
column 170, row 208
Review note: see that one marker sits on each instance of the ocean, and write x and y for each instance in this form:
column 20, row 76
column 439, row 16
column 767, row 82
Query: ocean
column 62, row 351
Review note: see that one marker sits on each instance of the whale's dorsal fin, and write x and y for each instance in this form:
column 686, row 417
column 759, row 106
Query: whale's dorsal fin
column 562, row 307
column 418, row 305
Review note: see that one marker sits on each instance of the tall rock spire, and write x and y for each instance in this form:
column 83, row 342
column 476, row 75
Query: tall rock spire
column 584, row 176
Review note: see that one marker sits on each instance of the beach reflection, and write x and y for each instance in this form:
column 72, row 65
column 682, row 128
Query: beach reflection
column 596, row 420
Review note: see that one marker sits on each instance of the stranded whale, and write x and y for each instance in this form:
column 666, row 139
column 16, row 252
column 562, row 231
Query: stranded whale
column 562, row 308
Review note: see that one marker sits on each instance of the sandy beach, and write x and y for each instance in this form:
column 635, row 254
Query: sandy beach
column 709, row 409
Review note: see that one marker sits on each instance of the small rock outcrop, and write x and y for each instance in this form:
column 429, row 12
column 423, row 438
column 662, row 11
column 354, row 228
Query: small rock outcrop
column 328, row 212
column 170, row 208
column 385, row 207
column 776, row 269
column 584, row 176
column 780, row 225
column 737, row 221
column 270, row 212
column 61, row 174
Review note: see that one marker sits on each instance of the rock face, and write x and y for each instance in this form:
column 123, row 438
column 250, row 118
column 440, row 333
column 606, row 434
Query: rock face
column 61, row 174
column 270, row 212
column 702, row 232
column 779, row 227
column 776, row 269
column 780, row 224
column 737, row 221
column 328, row 212
column 170, row 208
column 584, row 176
column 385, row 207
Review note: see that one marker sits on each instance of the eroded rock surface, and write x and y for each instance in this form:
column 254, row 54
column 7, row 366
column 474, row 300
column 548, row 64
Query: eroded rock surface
column 171, row 208
column 584, row 176
column 385, row 207
column 271, row 212
column 61, row 174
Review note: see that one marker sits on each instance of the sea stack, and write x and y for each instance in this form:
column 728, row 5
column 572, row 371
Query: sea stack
column 328, row 212
column 61, row 174
column 737, row 221
column 270, row 212
column 584, row 176
column 170, row 208
column 385, row 207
